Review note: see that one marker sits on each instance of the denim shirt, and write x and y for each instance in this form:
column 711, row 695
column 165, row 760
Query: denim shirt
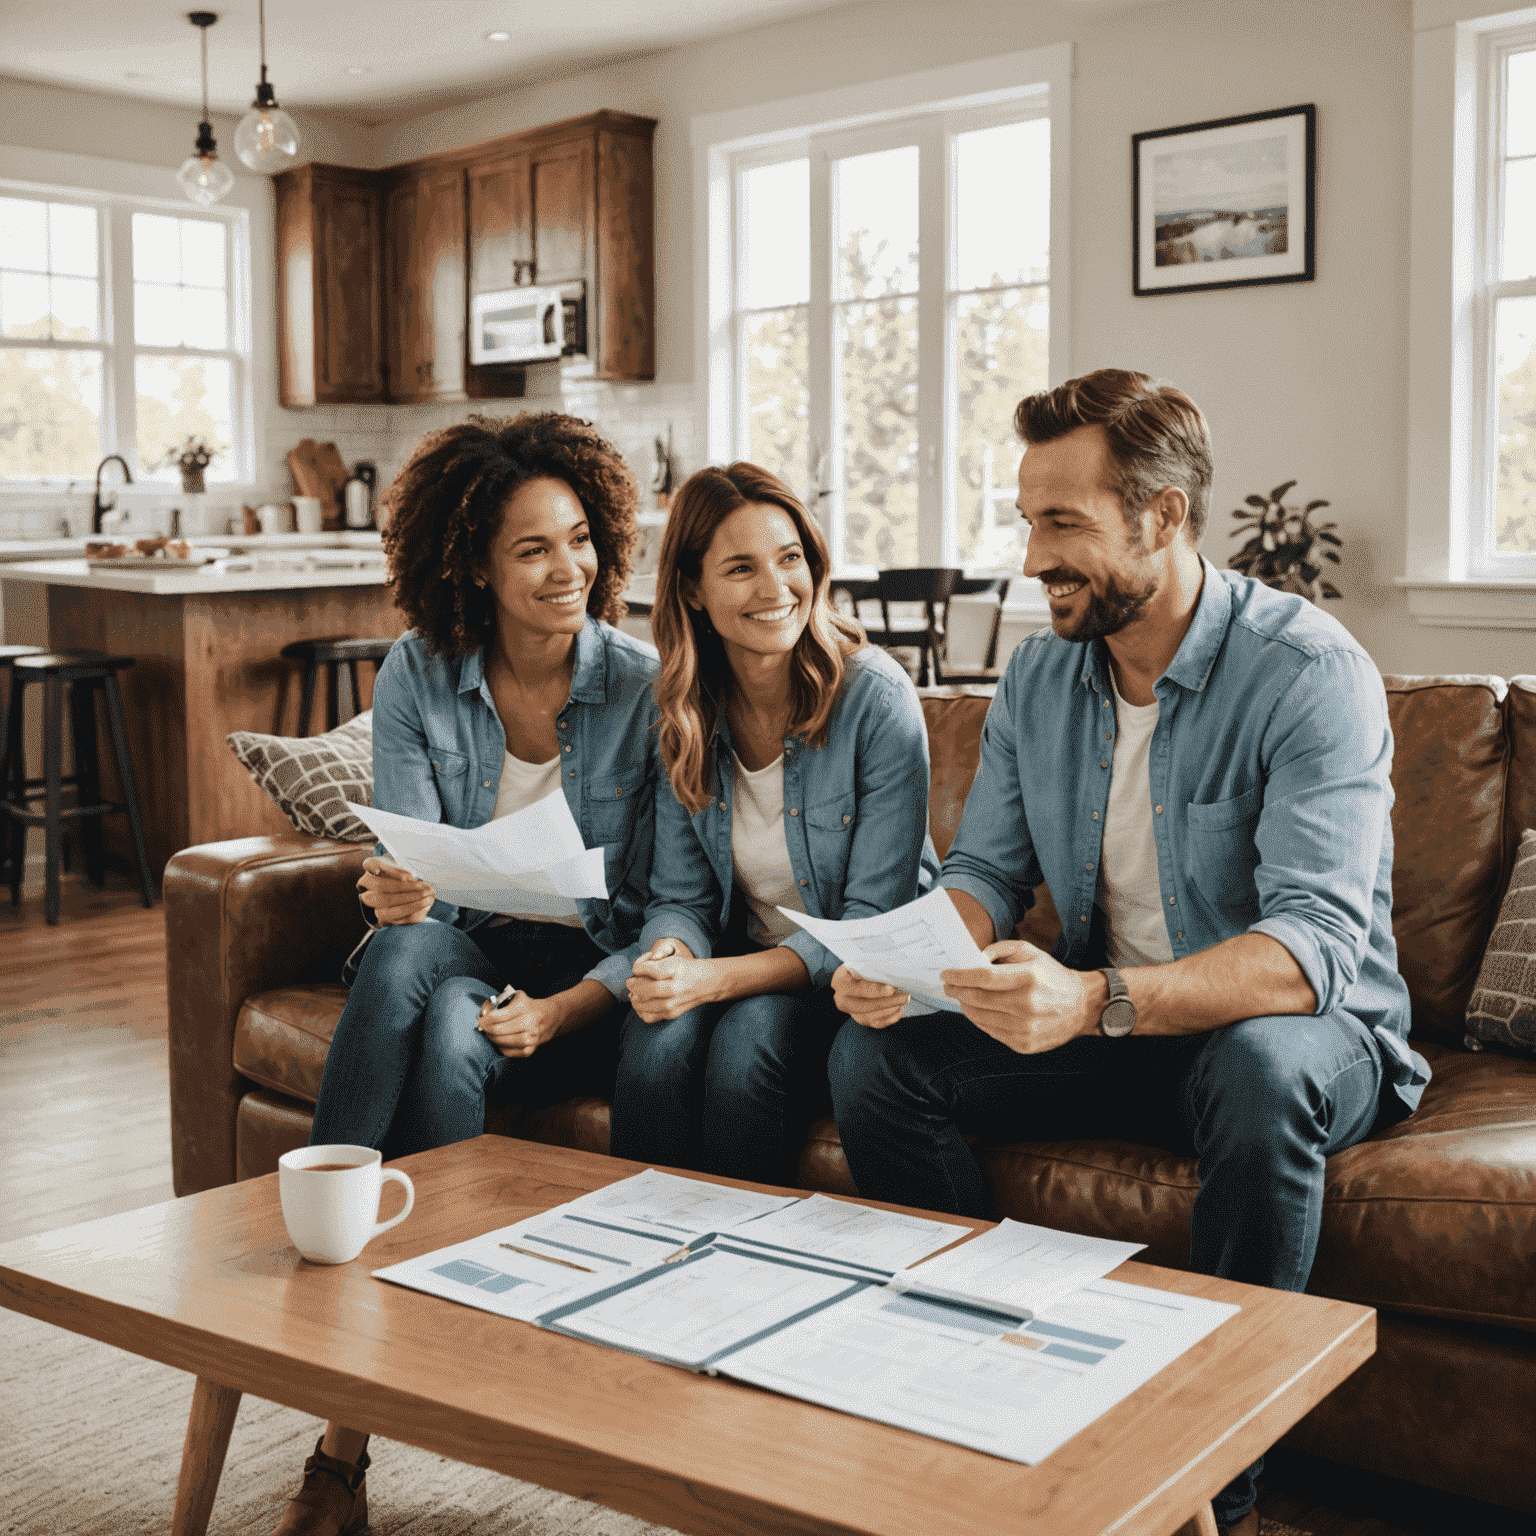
column 855, row 821
column 438, row 747
column 1271, row 797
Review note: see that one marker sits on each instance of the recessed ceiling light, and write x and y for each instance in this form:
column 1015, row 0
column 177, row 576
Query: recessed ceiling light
column 356, row 69
column 498, row 37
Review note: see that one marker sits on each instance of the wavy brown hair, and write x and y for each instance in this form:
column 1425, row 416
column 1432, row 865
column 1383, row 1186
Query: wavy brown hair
column 445, row 509
column 695, row 672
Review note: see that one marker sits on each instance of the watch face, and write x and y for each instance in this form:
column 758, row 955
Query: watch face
column 1119, row 1018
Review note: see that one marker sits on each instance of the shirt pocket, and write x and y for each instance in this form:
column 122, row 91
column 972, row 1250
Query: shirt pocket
column 1223, row 857
column 829, row 836
column 611, row 803
column 450, row 773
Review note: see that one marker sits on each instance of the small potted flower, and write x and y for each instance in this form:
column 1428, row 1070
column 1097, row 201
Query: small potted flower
column 1285, row 547
column 191, row 459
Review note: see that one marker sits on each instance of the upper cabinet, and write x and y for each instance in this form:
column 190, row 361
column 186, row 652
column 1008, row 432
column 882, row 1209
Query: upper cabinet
column 329, row 288
column 376, row 269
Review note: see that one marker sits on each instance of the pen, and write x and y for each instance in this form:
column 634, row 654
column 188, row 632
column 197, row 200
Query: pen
column 530, row 1254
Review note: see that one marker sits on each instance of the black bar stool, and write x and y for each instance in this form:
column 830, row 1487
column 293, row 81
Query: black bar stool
column 333, row 654
column 82, row 674
column 8, row 655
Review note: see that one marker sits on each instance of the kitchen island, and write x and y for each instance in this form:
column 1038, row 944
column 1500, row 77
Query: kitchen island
column 206, row 644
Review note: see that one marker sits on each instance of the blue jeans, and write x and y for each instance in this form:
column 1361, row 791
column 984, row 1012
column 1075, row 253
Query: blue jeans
column 408, row 1069
column 727, row 1088
column 1262, row 1103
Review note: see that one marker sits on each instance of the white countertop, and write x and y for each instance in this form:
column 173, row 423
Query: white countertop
column 264, row 572
column 58, row 549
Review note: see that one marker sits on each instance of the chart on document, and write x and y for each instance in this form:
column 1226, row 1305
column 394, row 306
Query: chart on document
column 684, row 1207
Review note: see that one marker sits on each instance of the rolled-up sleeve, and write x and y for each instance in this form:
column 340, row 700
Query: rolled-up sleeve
column 993, row 856
column 1327, row 794
column 686, row 899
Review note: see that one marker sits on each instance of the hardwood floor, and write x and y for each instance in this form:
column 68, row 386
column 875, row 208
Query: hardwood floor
column 85, row 1132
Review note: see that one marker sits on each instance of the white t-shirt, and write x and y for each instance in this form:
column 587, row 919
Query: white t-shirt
column 760, row 852
column 1128, row 880
column 521, row 785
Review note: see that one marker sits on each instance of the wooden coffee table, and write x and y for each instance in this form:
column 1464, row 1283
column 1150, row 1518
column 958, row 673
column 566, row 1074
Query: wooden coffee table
column 210, row 1284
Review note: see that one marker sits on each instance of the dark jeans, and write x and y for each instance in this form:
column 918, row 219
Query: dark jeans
column 409, row 1070
column 727, row 1088
column 1262, row 1103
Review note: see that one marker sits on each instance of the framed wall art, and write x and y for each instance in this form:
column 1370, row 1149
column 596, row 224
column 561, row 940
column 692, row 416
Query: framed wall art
column 1224, row 204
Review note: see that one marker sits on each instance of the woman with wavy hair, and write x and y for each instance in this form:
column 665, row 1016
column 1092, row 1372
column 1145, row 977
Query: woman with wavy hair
column 798, row 769
column 509, row 545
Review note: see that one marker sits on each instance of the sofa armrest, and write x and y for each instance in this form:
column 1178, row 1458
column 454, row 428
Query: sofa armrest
column 241, row 917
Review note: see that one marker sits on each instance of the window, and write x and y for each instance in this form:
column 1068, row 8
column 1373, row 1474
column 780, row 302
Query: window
column 890, row 305
column 1505, row 538
column 119, row 332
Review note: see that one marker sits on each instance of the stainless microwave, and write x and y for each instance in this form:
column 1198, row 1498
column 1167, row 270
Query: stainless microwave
column 526, row 325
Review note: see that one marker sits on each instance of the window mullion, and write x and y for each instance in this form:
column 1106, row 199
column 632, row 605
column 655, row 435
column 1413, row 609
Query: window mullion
column 122, row 395
column 937, row 541
column 825, row 490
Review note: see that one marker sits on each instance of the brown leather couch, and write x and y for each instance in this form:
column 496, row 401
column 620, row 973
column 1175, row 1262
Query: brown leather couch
column 1433, row 1221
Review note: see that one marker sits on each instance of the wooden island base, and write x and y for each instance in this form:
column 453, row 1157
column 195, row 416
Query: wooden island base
column 206, row 665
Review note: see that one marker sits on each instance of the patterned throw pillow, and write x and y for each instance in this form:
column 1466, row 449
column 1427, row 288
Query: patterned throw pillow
column 1503, row 1007
column 312, row 777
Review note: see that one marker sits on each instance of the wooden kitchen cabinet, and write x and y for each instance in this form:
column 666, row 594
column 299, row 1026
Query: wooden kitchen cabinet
column 329, row 286
column 426, row 308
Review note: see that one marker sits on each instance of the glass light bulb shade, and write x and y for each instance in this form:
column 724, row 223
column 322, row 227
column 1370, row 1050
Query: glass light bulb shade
column 205, row 179
column 267, row 140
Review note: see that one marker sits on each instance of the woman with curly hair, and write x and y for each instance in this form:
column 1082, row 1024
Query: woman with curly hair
column 509, row 545
column 798, row 768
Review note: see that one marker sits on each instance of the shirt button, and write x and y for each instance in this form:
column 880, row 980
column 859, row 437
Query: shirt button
column 1107, row 736
column 1082, row 917
column 1158, row 809
column 573, row 773
column 569, row 747
column 1106, row 703
column 618, row 792
column 1181, row 933
column 1087, row 866
column 794, row 810
column 846, row 820
column 486, row 785
column 561, row 724
column 1173, row 901
column 802, row 882
column 1103, row 762
column 1095, row 815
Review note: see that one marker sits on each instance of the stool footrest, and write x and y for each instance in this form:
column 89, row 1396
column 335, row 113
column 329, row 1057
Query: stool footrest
column 66, row 813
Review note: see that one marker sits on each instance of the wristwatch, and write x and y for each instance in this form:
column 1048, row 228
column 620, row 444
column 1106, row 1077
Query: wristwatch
column 1119, row 1016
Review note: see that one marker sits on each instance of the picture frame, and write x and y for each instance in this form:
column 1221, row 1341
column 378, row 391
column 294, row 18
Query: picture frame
column 1234, row 196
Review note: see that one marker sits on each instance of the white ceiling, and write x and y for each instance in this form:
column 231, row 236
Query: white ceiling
column 416, row 54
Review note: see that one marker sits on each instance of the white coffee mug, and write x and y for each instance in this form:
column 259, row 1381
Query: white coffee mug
column 306, row 514
column 332, row 1212
column 274, row 517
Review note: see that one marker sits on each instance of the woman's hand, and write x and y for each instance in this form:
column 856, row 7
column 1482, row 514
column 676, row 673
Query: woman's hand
column 870, row 1003
column 395, row 894
column 667, row 982
column 522, row 1024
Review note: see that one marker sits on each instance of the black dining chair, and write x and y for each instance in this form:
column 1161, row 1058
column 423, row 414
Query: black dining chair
column 961, row 672
column 930, row 585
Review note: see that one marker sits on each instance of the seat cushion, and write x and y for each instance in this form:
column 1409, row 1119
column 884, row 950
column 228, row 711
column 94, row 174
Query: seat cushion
column 1435, row 1216
column 282, row 1037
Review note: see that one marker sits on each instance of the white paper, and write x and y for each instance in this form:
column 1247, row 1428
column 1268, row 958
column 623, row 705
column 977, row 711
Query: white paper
column 878, row 1242
column 976, row 1378
column 531, row 863
column 1016, row 1267
column 669, row 1203
column 524, row 1269
column 907, row 948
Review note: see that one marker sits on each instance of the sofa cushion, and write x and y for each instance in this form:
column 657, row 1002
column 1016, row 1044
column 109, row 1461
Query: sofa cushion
column 1434, row 1216
column 282, row 1037
column 1449, row 770
column 311, row 778
column 1503, row 1007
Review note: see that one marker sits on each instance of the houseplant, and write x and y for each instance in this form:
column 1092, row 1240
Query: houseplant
column 191, row 458
column 1285, row 548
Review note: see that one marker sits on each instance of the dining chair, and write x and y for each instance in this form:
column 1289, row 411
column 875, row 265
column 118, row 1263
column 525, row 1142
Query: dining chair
column 930, row 585
column 962, row 672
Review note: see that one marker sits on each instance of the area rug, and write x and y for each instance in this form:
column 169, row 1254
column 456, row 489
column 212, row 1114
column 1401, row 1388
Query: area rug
column 90, row 1445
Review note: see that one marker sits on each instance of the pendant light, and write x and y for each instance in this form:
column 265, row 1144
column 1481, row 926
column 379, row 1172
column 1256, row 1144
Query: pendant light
column 266, row 139
column 203, row 176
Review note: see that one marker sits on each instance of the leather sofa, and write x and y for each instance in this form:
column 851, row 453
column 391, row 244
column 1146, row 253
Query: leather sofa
column 1432, row 1222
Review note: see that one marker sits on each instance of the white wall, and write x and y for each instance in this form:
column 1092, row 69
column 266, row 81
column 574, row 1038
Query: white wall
column 1304, row 380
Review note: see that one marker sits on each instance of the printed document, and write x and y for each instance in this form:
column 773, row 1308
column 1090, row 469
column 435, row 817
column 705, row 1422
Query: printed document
column 529, row 863
column 907, row 948
column 859, row 1237
column 973, row 1376
column 666, row 1202
column 1017, row 1268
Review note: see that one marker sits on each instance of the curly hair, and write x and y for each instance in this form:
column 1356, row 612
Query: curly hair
column 445, row 509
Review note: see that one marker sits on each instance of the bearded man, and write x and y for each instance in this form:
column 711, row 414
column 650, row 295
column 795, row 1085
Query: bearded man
column 1197, row 768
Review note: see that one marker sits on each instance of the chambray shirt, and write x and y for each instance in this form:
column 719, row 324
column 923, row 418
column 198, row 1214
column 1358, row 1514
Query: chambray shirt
column 855, row 821
column 438, row 746
column 1271, row 799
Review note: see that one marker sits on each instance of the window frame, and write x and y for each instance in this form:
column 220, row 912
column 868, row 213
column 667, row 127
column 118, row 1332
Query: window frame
column 118, row 347
column 930, row 109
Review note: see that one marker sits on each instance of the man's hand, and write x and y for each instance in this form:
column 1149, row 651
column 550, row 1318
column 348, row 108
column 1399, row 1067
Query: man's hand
column 522, row 1024
column 667, row 981
column 1025, row 999
column 870, row 1003
column 395, row 894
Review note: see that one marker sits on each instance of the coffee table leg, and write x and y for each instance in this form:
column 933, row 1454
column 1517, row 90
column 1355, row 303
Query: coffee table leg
column 202, row 1456
column 1204, row 1524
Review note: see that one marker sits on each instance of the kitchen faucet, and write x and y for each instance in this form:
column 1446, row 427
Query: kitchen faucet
column 98, row 507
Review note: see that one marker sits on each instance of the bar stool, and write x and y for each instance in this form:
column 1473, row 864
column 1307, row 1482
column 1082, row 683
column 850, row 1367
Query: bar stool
column 333, row 654
column 83, row 674
column 8, row 654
